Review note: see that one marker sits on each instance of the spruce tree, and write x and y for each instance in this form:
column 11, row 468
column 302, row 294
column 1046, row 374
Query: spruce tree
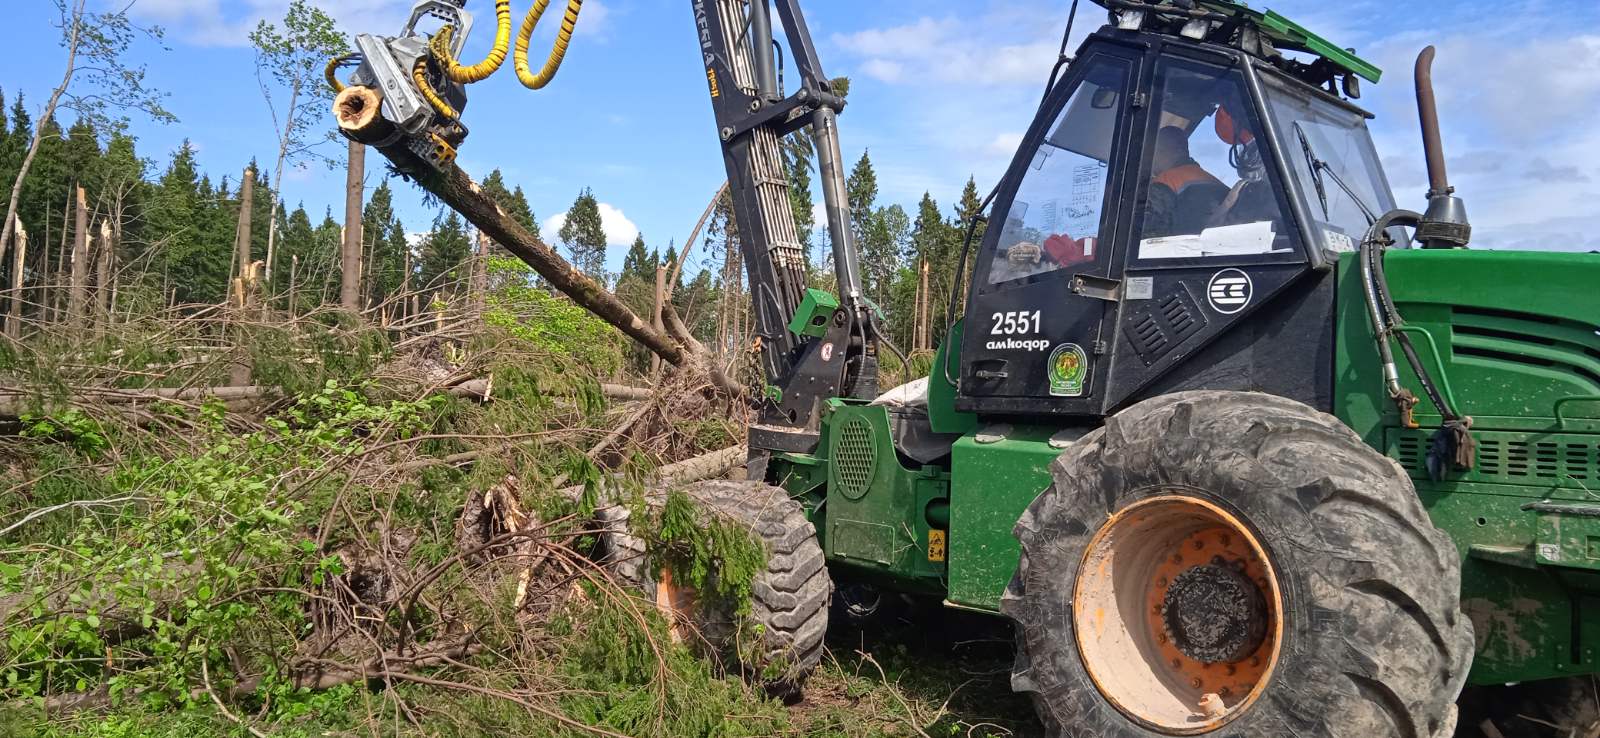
column 121, row 182
column 170, row 227
column 967, row 207
column 861, row 191
column 445, row 254
column 584, row 236
column 296, row 243
column 797, row 165
column 387, row 245
column 638, row 264
column 513, row 202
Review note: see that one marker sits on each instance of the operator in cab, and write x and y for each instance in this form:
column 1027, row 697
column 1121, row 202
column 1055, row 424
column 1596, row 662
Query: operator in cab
column 1183, row 195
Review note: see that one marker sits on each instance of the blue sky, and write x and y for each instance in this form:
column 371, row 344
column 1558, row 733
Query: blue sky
column 941, row 90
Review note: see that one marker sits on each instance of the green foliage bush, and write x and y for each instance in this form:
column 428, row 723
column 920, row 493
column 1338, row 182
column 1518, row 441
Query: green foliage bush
column 548, row 322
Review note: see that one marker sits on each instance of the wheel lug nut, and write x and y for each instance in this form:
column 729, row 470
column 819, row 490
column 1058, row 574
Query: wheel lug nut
column 1195, row 682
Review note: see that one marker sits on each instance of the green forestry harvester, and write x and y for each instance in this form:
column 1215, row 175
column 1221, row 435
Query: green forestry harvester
column 1240, row 447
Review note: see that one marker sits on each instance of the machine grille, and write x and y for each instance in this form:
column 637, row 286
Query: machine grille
column 855, row 457
column 1159, row 325
column 1569, row 460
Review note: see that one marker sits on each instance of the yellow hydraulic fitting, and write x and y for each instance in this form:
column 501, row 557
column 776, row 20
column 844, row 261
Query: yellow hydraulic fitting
column 563, row 38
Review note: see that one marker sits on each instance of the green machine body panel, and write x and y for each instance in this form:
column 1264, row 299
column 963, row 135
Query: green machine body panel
column 1513, row 339
column 942, row 414
column 996, row 472
column 883, row 520
column 816, row 309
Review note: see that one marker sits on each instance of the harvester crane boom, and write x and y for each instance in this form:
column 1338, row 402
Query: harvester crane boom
column 810, row 344
column 838, row 356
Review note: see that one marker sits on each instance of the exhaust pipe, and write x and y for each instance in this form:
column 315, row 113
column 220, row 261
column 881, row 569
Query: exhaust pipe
column 1444, row 225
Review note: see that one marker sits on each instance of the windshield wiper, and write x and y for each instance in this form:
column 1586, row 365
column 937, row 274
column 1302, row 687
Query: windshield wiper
column 1319, row 166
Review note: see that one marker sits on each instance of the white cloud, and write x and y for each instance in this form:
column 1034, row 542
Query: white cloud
column 948, row 50
column 1005, row 144
column 619, row 230
column 219, row 23
column 1516, row 102
column 883, row 69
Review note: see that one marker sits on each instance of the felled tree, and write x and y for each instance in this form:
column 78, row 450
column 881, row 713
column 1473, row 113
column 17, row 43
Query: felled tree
column 357, row 111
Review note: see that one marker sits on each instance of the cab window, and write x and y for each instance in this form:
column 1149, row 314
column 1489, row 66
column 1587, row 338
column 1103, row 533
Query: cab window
column 1209, row 194
column 1055, row 220
column 1329, row 151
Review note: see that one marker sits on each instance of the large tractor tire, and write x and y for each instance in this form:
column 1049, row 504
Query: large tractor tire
column 789, row 599
column 1235, row 564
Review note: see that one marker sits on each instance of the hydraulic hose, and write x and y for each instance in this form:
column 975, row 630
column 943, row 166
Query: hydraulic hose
column 419, row 75
column 563, row 38
column 1452, row 444
column 331, row 73
column 1379, row 306
column 440, row 48
column 961, row 272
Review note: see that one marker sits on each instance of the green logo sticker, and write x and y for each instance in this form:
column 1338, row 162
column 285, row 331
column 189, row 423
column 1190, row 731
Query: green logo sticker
column 1069, row 369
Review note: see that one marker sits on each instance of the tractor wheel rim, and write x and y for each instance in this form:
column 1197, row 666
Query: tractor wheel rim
column 1178, row 614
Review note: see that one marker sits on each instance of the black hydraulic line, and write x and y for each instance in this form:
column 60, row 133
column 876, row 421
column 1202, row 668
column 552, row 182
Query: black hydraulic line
column 883, row 338
column 1386, row 317
column 1061, row 57
column 961, row 272
column 760, row 50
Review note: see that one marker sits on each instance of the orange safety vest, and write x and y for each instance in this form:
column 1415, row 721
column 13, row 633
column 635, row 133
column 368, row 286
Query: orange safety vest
column 1180, row 177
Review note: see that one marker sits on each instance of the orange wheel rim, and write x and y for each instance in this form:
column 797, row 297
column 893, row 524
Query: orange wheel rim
column 1178, row 614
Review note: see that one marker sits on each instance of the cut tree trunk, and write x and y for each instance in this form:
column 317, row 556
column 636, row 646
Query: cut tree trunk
column 18, row 254
column 78, row 295
column 660, row 299
column 244, row 280
column 350, row 261
column 63, row 256
column 102, row 277
column 356, row 109
column 241, row 235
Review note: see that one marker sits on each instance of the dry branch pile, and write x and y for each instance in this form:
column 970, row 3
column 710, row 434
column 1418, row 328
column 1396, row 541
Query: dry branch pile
column 382, row 524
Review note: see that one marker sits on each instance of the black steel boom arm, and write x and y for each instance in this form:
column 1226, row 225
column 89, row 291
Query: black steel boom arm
column 753, row 118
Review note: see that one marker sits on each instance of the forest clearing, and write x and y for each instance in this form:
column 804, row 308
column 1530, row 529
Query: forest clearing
column 1185, row 427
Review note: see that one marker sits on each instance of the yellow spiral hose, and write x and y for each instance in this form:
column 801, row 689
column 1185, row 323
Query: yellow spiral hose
column 440, row 47
column 563, row 38
column 419, row 75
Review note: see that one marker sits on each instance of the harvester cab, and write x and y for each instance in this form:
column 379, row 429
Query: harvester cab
column 1177, row 178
